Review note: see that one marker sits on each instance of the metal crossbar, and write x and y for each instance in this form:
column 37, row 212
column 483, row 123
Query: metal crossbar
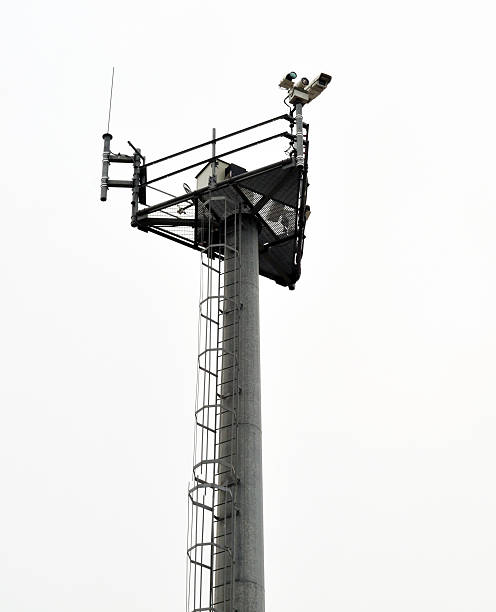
column 218, row 139
column 211, row 159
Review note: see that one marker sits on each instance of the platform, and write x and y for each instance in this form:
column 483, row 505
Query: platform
column 275, row 195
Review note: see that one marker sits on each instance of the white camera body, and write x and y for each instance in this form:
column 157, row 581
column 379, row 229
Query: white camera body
column 298, row 96
column 318, row 85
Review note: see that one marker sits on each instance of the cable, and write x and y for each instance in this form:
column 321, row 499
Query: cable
column 161, row 191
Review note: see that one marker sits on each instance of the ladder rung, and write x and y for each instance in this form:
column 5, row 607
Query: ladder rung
column 209, row 319
column 207, row 428
column 204, row 506
column 221, row 427
column 210, row 373
column 200, row 564
column 225, row 326
column 210, row 267
column 229, row 455
column 227, row 382
column 229, row 367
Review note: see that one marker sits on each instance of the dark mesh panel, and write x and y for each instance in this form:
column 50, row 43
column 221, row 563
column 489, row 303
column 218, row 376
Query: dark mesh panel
column 277, row 263
column 280, row 218
column 280, row 184
column 253, row 197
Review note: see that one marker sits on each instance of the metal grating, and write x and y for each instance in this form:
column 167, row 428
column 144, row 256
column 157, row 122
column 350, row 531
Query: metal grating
column 280, row 218
column 275, row 194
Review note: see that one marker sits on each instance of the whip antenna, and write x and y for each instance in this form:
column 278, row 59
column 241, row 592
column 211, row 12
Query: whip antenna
column 110, row 102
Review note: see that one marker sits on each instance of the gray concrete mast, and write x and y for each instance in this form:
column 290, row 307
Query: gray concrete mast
column 241, row 351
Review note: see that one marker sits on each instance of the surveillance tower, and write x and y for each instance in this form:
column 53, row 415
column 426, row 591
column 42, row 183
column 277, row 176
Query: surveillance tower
column 246, row 223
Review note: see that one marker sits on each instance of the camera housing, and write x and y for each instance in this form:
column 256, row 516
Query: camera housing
column 299, row 96
column 302, row 83
column 318, row 85
column 287, row 81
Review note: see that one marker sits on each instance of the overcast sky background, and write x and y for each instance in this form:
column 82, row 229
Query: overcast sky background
column 378, row 371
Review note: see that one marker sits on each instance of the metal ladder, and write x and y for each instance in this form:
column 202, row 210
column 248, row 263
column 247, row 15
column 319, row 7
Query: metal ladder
column 212, row 493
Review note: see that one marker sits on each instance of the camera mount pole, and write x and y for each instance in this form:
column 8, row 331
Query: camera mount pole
column 300, row 160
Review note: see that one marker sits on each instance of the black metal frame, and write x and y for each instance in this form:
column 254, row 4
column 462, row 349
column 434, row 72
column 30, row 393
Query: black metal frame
column 274, row 194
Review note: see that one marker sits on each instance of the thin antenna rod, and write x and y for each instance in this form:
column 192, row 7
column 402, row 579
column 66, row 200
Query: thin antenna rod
column 110, row 103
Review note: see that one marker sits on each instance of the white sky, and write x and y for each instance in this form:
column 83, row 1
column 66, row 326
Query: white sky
column 378, row 371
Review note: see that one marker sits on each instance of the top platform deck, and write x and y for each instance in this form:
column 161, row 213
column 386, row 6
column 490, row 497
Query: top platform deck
column 274, row 194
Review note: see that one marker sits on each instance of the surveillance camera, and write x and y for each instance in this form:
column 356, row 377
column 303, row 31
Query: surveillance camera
column 318, row 85
column 287, row 81
column 298, row 96
column 324, row 79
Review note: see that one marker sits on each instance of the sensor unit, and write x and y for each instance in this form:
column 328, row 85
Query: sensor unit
column 318, row 85
column 287, row 81
column 299, row 96
column 304, row 91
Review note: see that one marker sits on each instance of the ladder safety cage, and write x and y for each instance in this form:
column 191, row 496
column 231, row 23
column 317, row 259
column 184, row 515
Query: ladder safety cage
column 212, row 493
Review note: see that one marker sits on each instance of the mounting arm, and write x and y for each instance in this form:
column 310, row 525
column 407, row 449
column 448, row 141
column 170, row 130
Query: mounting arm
column 105, row 166
column 109, row 157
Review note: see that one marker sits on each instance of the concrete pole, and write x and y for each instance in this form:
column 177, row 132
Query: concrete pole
column 246, row 453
